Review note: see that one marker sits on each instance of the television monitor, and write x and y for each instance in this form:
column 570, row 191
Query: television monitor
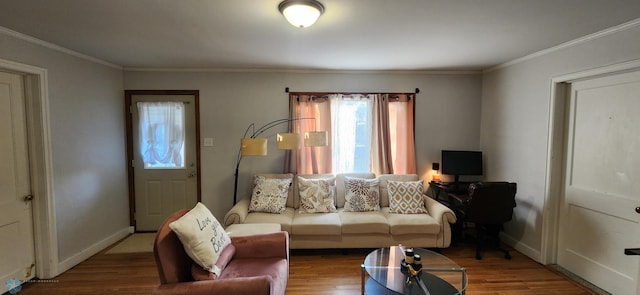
column 461, row 163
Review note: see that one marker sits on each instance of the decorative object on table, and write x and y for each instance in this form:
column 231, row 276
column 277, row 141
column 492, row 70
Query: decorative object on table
column 411, row 265
column 252, row 145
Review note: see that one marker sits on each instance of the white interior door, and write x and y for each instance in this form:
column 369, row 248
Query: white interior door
column 602, row 183
column 164, row 156
column 17, row 256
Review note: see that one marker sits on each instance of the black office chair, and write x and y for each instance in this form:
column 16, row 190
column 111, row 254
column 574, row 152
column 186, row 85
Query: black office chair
column 490, row 205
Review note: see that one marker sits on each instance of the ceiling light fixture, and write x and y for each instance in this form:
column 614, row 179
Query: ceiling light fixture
column 301, row 13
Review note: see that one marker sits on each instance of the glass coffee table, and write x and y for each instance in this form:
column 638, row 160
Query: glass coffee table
column 440, row 275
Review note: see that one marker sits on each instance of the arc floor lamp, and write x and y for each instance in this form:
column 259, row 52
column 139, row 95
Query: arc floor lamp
column 252, row 145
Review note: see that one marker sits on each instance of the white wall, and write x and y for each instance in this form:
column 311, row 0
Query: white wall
column 447, row 115
column 87, row 130
column 516, row 101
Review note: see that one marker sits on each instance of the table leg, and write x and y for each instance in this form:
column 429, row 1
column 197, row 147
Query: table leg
column 362, row 278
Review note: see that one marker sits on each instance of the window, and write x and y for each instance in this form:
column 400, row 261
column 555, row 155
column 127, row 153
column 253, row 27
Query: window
column 161, row 126
column 368, row 133
column 351, row 133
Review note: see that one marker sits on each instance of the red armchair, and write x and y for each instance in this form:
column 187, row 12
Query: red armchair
column 260, row 265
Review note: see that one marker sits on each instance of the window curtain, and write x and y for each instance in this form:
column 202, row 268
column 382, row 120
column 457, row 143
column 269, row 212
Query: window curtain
column 391, row 122
column 381, row 158
column 401, row 137
column 161, row 126
column 317, row 113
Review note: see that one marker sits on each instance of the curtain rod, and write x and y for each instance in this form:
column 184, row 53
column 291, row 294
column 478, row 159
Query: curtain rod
column 349, row 93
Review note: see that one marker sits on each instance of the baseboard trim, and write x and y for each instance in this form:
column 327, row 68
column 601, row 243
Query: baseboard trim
column 92, row 250
column 521, row 247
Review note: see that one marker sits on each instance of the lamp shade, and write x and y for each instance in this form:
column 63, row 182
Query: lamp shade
column 301, row 13
column 253, row 146
column 315, row 138
column 288, row 141
column 435, row 166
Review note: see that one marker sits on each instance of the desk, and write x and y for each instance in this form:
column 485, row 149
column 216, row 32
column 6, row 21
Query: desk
column 448, row 192
column 454, row 196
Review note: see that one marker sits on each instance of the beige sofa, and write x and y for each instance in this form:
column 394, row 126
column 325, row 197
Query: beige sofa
column 354, row 229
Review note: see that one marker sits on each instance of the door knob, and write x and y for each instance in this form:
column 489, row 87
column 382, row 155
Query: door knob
column 28, row 198
column 637, row 209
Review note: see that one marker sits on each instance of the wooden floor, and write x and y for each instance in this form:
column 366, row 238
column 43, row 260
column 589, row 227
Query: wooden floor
column 314, row 272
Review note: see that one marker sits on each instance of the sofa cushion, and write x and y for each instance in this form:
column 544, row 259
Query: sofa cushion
column 384, row 178
column 363, row 222
column 402, row 224
column 278, row 176
column 405, row 197
column 317, row 195
column 296, row 190
column 269, row 194
column 202, row 236
column 361, row 195
column 284, row 219
column 341, row 188
column 316, row 224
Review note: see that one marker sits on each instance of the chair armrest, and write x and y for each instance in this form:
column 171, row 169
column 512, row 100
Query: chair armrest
column 262, row 245
column 238, row 212
column 234, row 286
column 438, row 211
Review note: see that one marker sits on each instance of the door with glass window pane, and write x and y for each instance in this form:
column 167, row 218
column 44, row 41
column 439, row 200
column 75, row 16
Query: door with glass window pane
column 164, row 156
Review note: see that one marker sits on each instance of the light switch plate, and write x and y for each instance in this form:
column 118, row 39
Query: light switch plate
column 208, row 141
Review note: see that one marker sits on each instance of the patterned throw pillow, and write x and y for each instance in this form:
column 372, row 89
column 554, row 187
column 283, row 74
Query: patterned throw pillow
column 361, row 194
column 316, row 195
column 269, row 194
column 202, row 236
column 406, row 197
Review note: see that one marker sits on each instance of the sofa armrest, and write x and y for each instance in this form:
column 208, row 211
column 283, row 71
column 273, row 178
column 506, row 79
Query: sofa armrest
column 438, row 211
column 262, row 245
column 238, row 212
column 246, row 285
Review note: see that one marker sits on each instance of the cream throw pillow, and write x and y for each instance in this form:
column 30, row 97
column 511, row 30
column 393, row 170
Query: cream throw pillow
column 361, row 194
column 406, row 197
column 316, row 195
column 202, row 237
column 270, row 194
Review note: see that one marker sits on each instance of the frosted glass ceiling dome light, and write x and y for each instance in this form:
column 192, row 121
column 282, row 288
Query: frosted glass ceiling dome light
column 301, row 13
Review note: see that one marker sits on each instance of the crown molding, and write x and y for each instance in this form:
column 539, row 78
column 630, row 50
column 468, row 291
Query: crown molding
column 55, row 47
column 304, row 71
column 610, row 31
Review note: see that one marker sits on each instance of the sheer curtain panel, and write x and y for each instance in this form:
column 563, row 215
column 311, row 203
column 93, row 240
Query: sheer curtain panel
column 351, row 120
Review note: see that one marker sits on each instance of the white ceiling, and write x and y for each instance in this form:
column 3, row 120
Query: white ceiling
column 350, row 35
